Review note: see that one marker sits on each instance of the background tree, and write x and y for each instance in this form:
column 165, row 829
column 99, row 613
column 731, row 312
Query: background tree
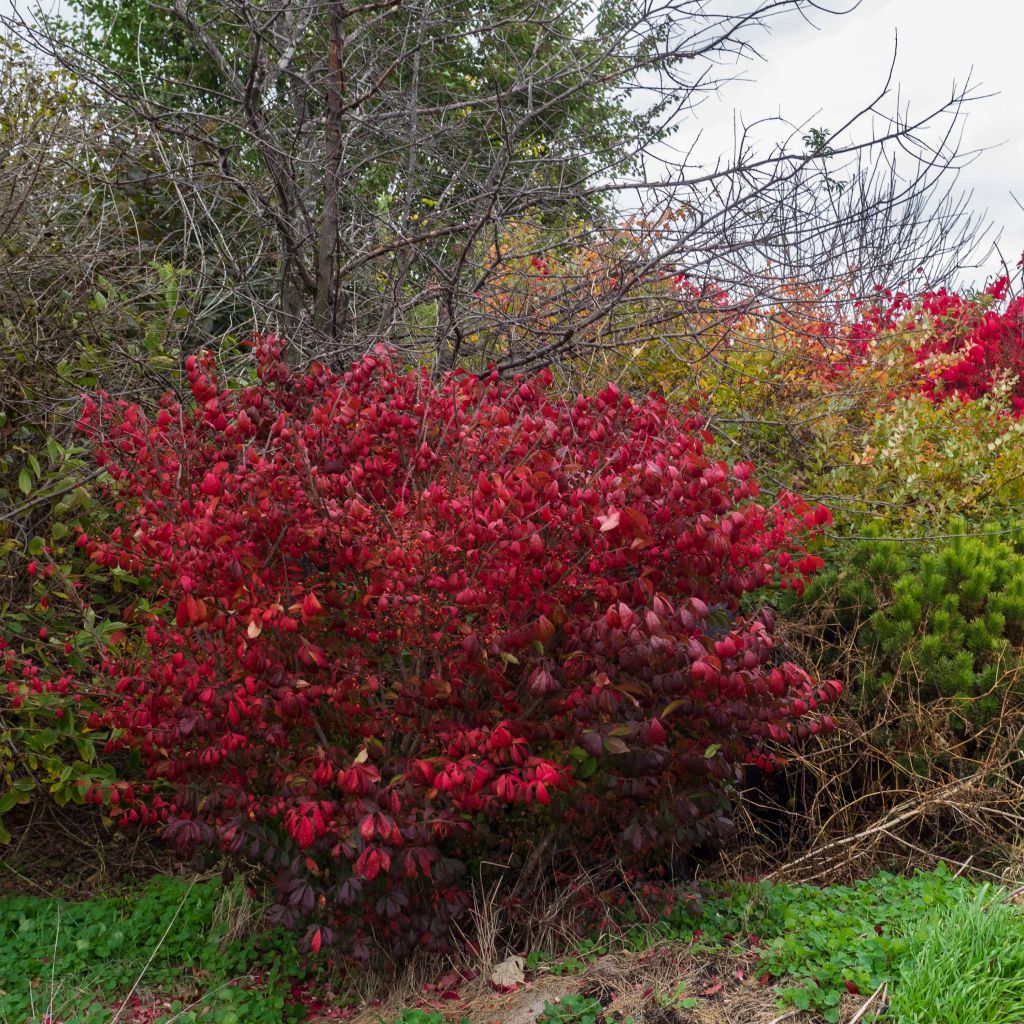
column 347, row 173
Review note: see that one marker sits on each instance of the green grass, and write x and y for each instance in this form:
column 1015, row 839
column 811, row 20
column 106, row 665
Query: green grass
column 967, row 966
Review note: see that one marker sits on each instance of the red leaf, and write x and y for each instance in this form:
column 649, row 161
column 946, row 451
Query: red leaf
column 211, row 486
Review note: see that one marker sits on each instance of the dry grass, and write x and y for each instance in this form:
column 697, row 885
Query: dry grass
column 895, row 780
column 238, row 912
column 893, row 786
column 635, row 987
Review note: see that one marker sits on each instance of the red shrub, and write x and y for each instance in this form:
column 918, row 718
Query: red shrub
column 962, row 344
column 972, row 343
column 399, row 625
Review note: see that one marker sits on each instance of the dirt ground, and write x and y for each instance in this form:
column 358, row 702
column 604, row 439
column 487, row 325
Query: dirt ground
column 638, row 988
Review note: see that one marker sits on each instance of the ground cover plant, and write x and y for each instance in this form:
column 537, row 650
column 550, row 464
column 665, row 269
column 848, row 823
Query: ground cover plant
column 164, row 952
column 80, row 962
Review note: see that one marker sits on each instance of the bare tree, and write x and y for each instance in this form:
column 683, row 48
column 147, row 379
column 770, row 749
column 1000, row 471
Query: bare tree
column 349, row 173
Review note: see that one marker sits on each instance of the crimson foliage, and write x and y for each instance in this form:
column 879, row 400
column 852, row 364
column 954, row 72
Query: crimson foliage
column 963, row 344
column 398, row 625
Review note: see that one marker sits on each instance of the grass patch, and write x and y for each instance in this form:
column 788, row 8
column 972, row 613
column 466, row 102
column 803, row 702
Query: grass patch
column 967, row 966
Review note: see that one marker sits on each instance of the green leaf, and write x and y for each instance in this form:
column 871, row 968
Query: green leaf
column 25, row 481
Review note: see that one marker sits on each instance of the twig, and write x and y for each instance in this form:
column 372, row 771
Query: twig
column 882, row 826
column 963, row 867
column 881, row 991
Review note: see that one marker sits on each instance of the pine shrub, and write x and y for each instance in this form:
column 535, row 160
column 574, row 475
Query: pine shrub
column 930, row 632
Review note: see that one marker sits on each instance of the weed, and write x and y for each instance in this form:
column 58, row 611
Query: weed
column 677, row 999
column 572, row 1009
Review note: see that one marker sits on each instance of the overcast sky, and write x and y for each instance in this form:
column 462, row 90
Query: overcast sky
column 821, row 74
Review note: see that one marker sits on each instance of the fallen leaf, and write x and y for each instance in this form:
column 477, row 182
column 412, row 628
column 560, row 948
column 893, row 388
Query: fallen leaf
column 509, row 972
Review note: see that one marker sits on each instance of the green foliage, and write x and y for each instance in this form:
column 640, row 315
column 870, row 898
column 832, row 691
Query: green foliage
column 45, row 743
column 79, row 312
column 927, row 623
column 87, row 955
column 968, row 966
column 572, row 1009
column 920, row 463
